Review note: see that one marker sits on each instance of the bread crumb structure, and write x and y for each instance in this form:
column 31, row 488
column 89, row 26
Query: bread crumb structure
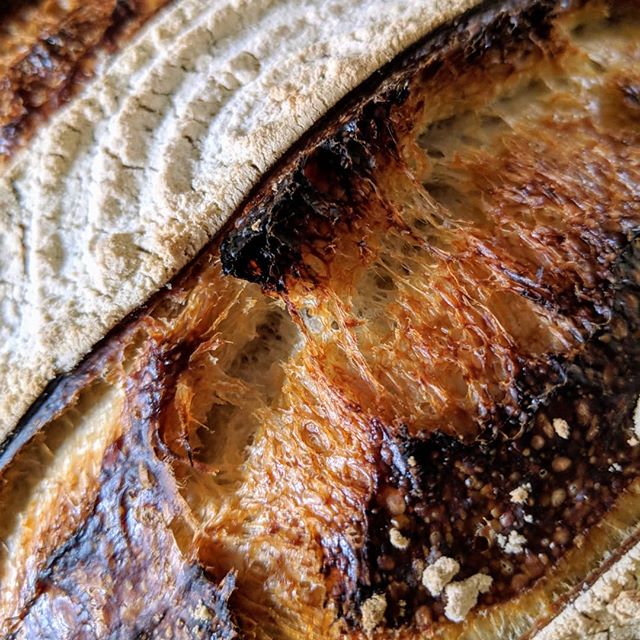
column 394, row 398
column 520, row 494
column 397, row 539
column 561, row 427
column 514, row 543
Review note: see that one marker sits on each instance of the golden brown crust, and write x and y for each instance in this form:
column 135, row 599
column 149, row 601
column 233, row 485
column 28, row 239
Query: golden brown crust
column 122, row 573
column 124, row 186
column 446, row 359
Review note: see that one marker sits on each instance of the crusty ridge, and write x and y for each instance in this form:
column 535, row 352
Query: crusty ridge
column 127, row 184
column 248, row 421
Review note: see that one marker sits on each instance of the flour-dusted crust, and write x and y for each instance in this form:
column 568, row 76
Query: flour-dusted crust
column 209, row 356
column 48, row 50
column 126, row 185
column 607, row 610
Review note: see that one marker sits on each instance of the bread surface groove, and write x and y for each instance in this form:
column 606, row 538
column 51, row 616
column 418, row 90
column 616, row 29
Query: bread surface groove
column 415, row 348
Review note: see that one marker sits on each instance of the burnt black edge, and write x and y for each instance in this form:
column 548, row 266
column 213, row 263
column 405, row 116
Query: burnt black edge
column 61, row 391
column 263, row 245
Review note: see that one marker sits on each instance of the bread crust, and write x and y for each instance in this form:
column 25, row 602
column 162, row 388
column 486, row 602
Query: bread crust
column 126, row 185
column 607, row 604
column 608, row 608
column 48, row 49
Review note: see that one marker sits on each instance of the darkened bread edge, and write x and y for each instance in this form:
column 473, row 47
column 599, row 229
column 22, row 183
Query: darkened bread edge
column 599, row 606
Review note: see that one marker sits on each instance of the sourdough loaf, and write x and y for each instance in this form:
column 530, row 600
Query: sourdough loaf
column 395, row 396
column 120, row 190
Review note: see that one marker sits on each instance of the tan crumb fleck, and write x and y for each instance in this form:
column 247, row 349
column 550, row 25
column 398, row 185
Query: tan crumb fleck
column 561, row 427
column 520, row 494
column 513, row 543
column 202, row 612
column 636, row 420
column 373, row 611
column 438, row 575
column 397, row 539
column 412, row 461
column 463, row 596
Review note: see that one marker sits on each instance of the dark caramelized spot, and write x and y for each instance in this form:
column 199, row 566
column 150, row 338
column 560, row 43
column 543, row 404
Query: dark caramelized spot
column 464, row 502
column 123, row 572
column 300, row 218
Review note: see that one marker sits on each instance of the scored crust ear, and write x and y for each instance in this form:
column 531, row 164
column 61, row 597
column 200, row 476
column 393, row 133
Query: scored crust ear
column 303, row 454
column 122, row 188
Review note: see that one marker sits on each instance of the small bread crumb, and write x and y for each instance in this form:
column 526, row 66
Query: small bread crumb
column 561, row 427
column 520, row 494
column 636, row 419
column 463, row 596
column 528, row 517
column 202, row 612
column 373, row 611
column 411, row 461
column 633, row 442
column 438, row 575
column 512, row 544
column 397, row 539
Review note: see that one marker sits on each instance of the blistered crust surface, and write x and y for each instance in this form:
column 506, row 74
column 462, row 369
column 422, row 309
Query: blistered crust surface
column 285, row 441
column 125, row 186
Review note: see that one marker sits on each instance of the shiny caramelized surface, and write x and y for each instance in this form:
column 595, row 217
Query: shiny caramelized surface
column 47, row 48
column 444, row 273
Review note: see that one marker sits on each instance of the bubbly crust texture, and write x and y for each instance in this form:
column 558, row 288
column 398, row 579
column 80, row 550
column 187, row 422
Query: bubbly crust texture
column 411, row 413
column 120, row 190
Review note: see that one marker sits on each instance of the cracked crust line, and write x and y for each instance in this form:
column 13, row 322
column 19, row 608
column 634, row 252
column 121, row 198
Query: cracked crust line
column 254, row 76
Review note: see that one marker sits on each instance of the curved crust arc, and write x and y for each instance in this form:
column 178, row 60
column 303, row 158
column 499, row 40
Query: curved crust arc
column 121, row 189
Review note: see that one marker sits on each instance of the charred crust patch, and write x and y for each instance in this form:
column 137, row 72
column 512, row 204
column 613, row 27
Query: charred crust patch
column 122, row 573
column 457, row 501
column 330, row 180
column 328, row 186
